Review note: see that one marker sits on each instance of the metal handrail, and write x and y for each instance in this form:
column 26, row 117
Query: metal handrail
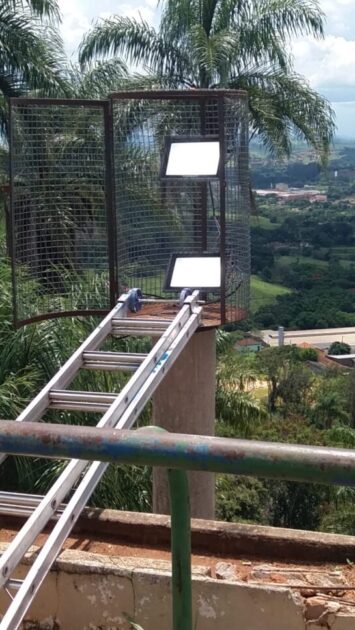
column 316, row 464
column 178, row 453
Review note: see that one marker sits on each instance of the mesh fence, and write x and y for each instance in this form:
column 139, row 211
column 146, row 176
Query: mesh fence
column 59, row 224
column 68, row 244
column 157, row 217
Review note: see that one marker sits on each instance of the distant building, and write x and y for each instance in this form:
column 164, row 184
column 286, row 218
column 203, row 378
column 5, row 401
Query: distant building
column 250, row 344
column 346, row 360
column 291, row 194
column 321, row 338
column 319, row 197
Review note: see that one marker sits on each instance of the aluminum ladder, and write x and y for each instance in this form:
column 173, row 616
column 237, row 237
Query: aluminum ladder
column 120, row 411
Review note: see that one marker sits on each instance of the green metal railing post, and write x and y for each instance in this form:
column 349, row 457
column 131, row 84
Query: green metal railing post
column 180, row 549
column 181, row 586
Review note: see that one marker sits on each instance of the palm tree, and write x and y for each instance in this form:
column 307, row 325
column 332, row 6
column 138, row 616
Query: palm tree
column 229, row 44
column 236, row 408
column 31, row 51
column 328, row 410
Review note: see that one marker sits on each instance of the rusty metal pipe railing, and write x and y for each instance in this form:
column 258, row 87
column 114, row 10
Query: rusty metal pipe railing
column 241, row 457
column 187, row 452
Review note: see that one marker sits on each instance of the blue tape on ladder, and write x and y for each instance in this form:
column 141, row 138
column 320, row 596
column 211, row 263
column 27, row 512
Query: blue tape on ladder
column 134, row 300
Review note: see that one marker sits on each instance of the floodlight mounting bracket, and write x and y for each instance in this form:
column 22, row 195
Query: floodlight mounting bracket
column 183, row 295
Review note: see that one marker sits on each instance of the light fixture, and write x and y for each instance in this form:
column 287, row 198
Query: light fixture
column 201, row 271
column 188, row 156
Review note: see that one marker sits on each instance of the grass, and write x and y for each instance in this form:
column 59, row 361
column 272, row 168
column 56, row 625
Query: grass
column 344, row 251
column 263, row 293
column 263, row 222
column 287, row 261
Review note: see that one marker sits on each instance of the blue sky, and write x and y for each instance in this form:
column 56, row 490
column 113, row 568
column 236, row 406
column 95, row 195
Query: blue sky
column 328, row 64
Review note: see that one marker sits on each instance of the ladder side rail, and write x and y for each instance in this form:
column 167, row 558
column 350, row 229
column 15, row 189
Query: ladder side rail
column 133, row 386
column 57, row 493
column 35, row 409
column 50, row 550
column 66, row 373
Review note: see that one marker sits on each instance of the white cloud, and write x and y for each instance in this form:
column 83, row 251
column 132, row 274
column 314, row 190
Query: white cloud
column 79, row 15
column 328, row 62
column 137, row 12
column 74, row 24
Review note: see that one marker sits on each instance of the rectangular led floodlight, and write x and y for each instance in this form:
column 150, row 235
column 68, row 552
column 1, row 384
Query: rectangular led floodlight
column 193, row 272
column 191, row 157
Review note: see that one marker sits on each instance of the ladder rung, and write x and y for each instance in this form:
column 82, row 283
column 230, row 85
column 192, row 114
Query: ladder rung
column 73, row 396
column 137, row 332
column 78, row 406
column 112, row 360
column 20, row 504
column 154, row 327
column 139, row 321
column 13, row 584
column 80, row 401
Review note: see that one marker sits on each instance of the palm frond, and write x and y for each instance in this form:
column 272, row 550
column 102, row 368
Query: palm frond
column 290, row 18
column 33, row 57
column 134, row 40
column 100, row 78
column 284, row 107
column 39, row 8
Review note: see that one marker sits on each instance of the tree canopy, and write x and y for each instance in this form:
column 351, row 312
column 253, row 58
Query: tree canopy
column 229, row 44
column 32, row 55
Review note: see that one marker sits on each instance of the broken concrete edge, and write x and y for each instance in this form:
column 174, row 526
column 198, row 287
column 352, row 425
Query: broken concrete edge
column 84, row 562
column 219, row 536
column 143, row 571
column 153, row 530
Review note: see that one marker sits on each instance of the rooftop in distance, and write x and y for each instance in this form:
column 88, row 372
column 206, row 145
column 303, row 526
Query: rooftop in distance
column 321, row 338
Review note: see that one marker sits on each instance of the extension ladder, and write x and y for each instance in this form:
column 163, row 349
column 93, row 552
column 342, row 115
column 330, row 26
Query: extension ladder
column 120, row 411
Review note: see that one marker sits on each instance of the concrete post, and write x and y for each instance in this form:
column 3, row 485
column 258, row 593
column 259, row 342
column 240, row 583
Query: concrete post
column 185, row 403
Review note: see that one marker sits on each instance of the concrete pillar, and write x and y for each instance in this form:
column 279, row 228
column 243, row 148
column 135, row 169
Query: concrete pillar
column 185, row 403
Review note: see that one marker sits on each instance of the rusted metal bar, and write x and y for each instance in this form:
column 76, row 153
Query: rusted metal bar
column 55, row 315
column 33, row 102
column 241, row 457
column 177, row 94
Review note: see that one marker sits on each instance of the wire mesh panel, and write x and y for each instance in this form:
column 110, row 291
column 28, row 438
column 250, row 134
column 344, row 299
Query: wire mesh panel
column 158, row 216
column 69, row 245
column 62, row 260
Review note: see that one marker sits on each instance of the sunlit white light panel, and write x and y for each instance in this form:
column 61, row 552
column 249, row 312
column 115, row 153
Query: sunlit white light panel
column 193, row 159
column 194, row 272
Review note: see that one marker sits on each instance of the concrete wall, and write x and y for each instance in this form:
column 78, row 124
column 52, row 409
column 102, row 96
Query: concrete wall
column 94, row 592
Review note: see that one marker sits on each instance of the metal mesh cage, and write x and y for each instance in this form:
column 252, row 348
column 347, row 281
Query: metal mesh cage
column 59, row 208
column 160, row 216
column 93, row 213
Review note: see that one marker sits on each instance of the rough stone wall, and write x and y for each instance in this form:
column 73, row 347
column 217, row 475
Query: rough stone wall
column 95, row 592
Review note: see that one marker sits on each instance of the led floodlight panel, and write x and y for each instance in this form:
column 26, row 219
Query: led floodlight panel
column 191, row 157
column 194, row 272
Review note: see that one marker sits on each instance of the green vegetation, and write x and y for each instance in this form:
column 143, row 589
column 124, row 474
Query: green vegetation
column 301, row 406
column 263, row 293
column 262, row 222
column 339, row 347
column 223, row 44
column 32, row 55
column 311, row 248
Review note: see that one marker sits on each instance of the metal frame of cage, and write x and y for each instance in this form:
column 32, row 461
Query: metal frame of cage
column 109, row 111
